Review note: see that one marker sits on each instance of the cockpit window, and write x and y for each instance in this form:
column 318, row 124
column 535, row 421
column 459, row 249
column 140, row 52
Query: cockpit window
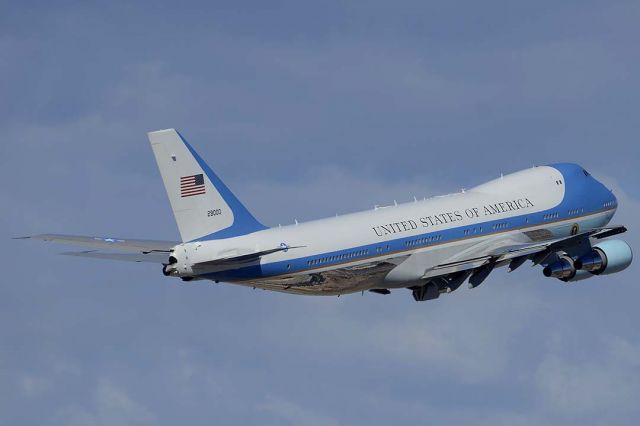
column 586, row 173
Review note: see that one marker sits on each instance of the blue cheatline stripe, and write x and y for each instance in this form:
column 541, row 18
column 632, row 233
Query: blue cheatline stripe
column 581, row 192
column 243, row 221
column 285, row 267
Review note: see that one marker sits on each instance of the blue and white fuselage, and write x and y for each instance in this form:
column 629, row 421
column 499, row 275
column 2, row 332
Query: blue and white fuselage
column 552, row 200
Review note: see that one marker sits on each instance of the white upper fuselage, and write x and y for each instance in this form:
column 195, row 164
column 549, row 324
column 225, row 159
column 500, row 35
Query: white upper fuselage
column 554, row 199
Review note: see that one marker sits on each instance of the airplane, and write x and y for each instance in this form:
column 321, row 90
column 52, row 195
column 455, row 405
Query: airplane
column 555, row 216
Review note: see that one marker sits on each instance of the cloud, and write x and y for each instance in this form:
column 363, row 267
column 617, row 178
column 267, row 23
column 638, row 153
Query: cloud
column 604, row 385
column 33, row 386
column 294, row 414
column 455, row 337
column 111, row 405
column 307, row 113
column 321, row 191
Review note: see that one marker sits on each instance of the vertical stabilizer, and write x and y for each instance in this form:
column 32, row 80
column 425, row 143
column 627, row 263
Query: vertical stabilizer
column 202, row 204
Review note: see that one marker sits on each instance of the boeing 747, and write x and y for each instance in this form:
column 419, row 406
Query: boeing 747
column 555, row 216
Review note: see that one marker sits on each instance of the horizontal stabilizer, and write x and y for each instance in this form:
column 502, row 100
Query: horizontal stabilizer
column 126, row 257
column 243, row 258
column 123, row 244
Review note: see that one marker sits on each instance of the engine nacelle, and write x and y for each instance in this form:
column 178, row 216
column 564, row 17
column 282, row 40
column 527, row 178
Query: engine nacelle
column 563, row 269
column 607, row 257
column 579, row 276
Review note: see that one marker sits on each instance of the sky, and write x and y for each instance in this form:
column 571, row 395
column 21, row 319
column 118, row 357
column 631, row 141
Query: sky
column 307, row 109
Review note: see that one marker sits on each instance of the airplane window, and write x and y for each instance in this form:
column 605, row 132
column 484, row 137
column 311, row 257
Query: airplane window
column 586, row 173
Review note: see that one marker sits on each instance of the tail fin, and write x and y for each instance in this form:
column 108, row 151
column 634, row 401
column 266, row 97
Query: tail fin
column 202, row 204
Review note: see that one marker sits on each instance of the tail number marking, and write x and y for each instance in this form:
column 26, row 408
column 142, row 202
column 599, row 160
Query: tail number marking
column 216, row 212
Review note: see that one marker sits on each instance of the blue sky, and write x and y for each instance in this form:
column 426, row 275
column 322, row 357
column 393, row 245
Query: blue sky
column 307, row 109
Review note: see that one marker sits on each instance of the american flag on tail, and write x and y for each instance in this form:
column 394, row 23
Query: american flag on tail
column 192, row 185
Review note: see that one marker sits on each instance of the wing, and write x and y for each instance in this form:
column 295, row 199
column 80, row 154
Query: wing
column 111, row 243
column 477, row 261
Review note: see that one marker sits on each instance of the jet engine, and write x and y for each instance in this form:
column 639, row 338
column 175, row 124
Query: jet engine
column 607, row 257
column 564, row 269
